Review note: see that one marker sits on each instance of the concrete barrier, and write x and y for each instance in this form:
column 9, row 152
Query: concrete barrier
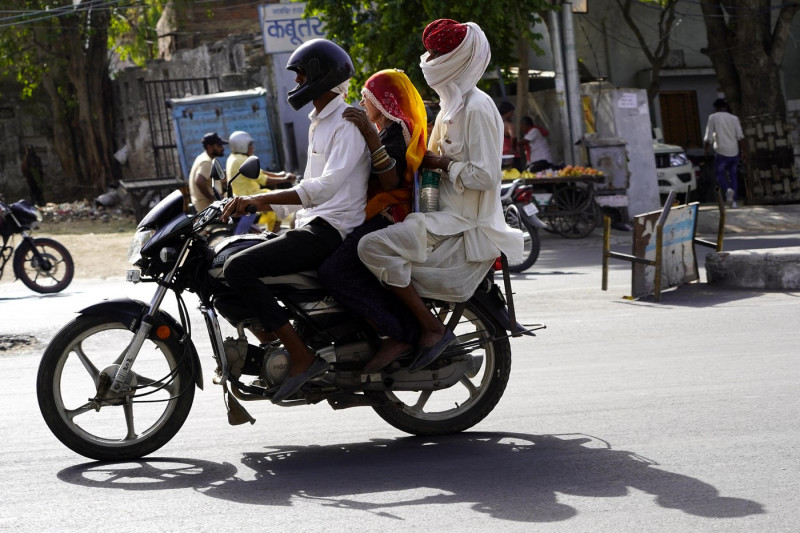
column 768, row 268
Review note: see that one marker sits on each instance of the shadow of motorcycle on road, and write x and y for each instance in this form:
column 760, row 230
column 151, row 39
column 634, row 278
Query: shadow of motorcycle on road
column 508, row 476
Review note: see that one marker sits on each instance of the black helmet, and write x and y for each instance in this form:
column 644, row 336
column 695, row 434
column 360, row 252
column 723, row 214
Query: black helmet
column 325, row 66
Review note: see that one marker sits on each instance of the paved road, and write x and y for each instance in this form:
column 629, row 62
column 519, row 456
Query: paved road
column 679, row 415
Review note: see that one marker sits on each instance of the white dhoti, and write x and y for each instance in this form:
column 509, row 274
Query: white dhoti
column 437, row 266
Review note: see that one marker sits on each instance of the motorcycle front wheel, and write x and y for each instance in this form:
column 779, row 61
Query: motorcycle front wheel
column 530, row 236
column 47, row 272
column 78, row 407
column 457, row 408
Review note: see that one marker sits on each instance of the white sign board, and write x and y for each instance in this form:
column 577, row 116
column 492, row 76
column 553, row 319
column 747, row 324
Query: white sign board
column 627, row 101
column 283, row 27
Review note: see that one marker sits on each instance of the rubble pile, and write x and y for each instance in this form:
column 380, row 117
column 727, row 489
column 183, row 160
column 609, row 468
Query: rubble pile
column 84, row 210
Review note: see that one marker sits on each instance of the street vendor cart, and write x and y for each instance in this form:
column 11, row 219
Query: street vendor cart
column 567, row 203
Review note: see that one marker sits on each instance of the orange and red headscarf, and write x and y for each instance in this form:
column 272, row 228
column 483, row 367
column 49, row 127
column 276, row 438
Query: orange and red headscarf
column 393, row 94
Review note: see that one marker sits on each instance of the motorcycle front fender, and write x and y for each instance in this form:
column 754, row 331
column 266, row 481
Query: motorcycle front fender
column 130, row 312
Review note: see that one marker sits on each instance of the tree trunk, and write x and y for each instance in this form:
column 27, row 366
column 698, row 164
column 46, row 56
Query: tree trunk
column 88, row 70
column 746, row 50
column 63, row 133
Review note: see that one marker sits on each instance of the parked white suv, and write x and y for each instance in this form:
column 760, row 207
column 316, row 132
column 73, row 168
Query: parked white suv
column 674, row 170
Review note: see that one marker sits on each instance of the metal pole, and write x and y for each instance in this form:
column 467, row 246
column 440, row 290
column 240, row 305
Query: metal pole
column 573, row 81
column 561, row 98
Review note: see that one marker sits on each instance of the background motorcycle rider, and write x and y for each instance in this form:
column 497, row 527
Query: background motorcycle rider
column 448, row 252
column 200, row 175
column 328, row 203
column 242, row 146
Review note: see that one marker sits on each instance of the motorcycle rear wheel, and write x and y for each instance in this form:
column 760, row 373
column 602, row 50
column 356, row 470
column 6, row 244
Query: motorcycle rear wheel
column 531, row 242
column 68, row 377
column 457, row 408
column 51, row 272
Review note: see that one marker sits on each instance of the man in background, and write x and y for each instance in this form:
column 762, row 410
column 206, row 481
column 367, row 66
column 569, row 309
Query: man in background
column 200, row 187
column 32, row 170
column 724, row 132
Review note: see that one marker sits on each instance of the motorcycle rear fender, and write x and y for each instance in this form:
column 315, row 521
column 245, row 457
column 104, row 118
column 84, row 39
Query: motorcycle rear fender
column 491, row 301
column 130, row 312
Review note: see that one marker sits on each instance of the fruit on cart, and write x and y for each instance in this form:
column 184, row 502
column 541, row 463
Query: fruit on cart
column 569, row 171
column 511, row 174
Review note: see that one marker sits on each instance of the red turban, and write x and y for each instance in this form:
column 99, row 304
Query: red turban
column 443, row 35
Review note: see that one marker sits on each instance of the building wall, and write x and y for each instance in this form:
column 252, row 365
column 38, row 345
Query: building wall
column 25, row 123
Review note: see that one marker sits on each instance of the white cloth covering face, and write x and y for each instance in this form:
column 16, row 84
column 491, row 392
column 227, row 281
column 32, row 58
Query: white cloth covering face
column 454, row 74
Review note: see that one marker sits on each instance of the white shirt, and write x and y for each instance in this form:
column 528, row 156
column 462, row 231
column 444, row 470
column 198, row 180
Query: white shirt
column 538, row 148
column 334, row 185
column 725, row 131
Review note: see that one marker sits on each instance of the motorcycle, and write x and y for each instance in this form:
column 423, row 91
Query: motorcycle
column 44, row 265
column 122, row 357
column 520, row 211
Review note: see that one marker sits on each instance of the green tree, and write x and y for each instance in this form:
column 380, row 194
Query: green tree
column 388, row 34
column 746, row 44
column 64, row 49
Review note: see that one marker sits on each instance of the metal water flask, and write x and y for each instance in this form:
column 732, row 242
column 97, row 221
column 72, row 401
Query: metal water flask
column 429, row 191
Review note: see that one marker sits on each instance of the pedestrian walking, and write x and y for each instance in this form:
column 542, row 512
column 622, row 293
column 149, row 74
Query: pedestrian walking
column 724, row 133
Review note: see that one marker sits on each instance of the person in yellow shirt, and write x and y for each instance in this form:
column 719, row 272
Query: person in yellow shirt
column 242, row 146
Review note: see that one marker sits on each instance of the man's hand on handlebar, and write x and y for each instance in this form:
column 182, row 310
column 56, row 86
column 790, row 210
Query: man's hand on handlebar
column 240, row 205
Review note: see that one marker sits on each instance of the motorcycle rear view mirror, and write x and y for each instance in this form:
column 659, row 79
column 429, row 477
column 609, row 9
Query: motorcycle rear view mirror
column 217, row 172
column 251, row 168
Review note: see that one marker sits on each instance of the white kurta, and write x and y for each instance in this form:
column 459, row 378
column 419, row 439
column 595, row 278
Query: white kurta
column 445, row 254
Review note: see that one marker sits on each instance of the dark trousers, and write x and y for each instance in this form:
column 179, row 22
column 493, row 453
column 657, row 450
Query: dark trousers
column 726, row 169
column 357, row 289
column 294, row 251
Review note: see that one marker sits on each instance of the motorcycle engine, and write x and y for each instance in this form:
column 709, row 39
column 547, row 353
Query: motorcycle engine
column 276, row 366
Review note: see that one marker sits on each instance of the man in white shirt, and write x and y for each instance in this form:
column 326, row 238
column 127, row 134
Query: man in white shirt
column 724, row 132
column 328, row 203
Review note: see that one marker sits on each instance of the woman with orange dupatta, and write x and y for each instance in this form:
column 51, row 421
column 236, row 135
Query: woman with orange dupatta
column 393, row 105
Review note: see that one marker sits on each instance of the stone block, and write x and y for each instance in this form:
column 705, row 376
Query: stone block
column 769, row 269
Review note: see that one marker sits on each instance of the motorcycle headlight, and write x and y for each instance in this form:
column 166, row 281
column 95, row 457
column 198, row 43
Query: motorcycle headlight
column 140, row 238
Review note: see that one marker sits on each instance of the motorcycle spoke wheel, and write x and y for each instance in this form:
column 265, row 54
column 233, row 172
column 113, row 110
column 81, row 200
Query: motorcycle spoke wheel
column 577, row 213
column 48, row 272
column 105, row 425
column 531, row 243
column 457, row 408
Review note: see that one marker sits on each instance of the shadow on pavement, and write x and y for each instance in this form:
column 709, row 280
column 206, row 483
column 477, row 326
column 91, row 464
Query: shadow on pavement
column 509, row 476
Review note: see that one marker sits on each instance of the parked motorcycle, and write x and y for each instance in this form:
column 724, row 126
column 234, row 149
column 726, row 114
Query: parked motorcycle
column 520, row 213
column 124, row 357
column 44, row 265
